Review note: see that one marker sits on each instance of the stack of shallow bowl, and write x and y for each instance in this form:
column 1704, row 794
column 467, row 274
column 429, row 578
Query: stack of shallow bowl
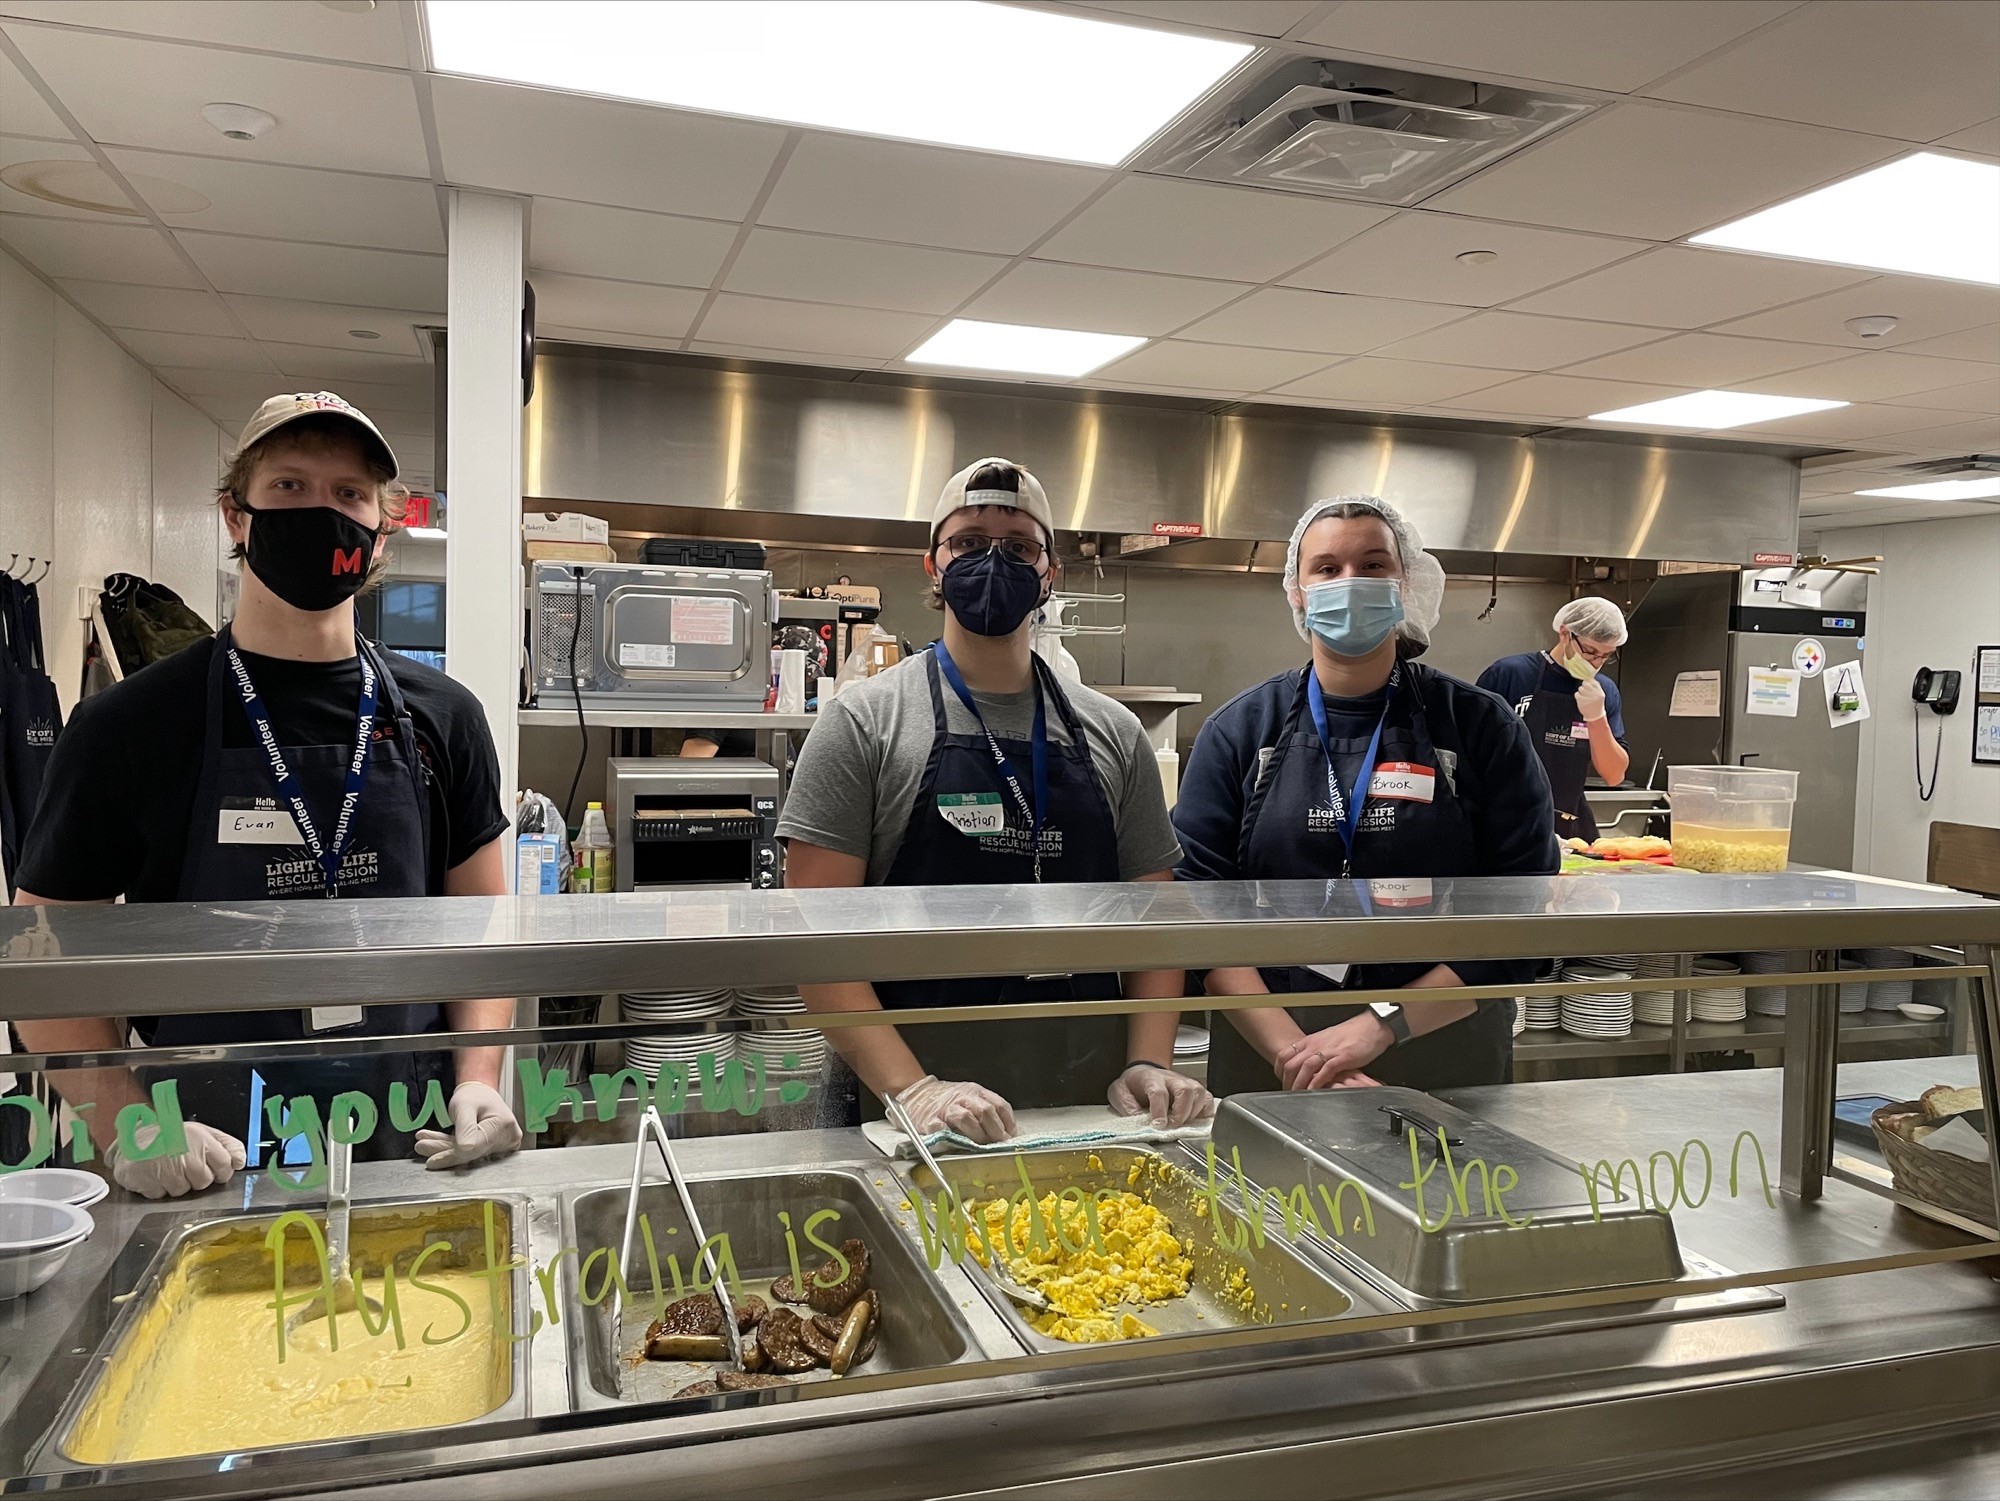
column 1190, row 1045
column 772, row 1041
column 1767, row 1000
column 1716, row 1003
column 1656, row 1007
column 42, row 1220
column 687, row 1027
column 1598, row 1013
column 1887, row 995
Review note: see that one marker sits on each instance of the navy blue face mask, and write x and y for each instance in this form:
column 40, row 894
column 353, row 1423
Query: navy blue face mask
column 990, row 593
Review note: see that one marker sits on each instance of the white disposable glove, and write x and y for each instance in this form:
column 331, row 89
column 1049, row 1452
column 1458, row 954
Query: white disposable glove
column 212, row 1157
column 481, row 1126
column 972, row 1110
column 1590, row 699
column 1167, row 1098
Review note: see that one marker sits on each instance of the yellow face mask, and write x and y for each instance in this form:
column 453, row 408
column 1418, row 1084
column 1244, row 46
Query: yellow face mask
column 1576, row 665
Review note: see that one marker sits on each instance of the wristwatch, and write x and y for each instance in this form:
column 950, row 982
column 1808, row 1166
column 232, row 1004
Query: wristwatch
column 1393, row 1018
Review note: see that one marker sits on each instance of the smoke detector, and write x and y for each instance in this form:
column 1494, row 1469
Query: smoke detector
column 239, row 122
column 1873, row 326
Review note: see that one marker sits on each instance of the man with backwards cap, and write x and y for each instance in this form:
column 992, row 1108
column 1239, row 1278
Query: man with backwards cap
column 284, row 758
column 1367, row 765
column 1573, row 716
column 969, row 765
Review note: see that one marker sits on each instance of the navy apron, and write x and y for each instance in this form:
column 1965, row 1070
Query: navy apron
column 1562, row 740
column 1031, row 1064
column 1290, row 832
column 384, row 856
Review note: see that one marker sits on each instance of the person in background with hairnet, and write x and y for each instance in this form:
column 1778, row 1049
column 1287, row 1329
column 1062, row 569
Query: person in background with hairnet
column 1573, row 715
column 1364, row 764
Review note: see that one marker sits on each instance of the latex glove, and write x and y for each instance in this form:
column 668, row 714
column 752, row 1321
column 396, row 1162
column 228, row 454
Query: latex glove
column 481, row 1126
column 1321, row 1059
column 1168, row 1098
column 972, row 1110
column 212, row 1157
column 1590, row 699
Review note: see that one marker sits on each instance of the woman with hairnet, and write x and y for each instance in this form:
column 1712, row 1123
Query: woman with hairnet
column 1573, row 715
column 1364, row 763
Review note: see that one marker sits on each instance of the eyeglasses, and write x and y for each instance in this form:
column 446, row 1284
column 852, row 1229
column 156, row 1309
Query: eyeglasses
column 972, row 544
column 1597, row 657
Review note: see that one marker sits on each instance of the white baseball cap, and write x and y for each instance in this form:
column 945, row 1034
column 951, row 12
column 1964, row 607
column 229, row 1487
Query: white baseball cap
column 281, row 411
column 1001, row 482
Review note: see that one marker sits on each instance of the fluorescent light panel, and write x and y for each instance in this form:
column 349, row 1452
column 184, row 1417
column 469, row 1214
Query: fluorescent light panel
column 1709, row 410
column 1943, row 489
column 426, row 533
column 1927, row 215
column 1019, row 349
column 953, row 72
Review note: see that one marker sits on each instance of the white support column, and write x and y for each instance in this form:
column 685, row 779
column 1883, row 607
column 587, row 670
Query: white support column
column 483, row 465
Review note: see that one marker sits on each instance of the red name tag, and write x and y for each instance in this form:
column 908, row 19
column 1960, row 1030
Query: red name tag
column 1403, row 780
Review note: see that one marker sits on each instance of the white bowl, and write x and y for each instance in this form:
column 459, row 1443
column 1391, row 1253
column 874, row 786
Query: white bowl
column 1917, row 1011
column 64, row 1185
column 36, row 1237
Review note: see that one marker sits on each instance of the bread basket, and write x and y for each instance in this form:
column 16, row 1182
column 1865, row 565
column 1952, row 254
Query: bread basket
column 1945, row 1179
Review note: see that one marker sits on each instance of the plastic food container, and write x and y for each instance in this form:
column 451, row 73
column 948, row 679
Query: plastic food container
column 1732, row 820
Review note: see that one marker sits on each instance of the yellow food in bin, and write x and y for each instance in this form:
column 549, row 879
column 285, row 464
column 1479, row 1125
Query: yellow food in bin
column 1090, row 1290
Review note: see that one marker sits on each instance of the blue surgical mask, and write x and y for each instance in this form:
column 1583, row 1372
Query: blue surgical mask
column 1351, row 617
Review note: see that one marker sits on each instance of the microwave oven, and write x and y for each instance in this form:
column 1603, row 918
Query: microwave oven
column 689, row 638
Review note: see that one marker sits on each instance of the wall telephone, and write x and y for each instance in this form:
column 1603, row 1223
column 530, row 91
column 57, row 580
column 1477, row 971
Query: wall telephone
column 1938, row 689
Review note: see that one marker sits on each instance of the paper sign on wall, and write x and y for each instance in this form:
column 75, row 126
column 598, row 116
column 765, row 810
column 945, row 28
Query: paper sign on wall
column 1846, row 694
column 1697, row 695
column 1986, row 734
column 1800, row 595
column 1774, row 691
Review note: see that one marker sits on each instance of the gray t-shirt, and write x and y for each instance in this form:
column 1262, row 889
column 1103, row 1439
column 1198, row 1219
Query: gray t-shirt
column 861, row 767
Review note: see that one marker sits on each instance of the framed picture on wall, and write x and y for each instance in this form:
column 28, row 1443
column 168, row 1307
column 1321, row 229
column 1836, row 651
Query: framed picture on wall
column 1986, row 706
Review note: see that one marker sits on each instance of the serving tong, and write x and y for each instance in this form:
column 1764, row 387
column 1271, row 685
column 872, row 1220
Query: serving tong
column 1002, row 1276
column 653, row 1128
column 347, row 1294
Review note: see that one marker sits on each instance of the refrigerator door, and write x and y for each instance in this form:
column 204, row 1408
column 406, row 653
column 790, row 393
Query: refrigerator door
column 1826, row 758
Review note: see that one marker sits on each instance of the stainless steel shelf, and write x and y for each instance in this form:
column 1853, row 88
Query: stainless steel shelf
column 1759, row 1033
column 662, row 719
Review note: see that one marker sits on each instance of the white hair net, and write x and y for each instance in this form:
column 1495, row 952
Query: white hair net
column 1423, row 575
column 1593, row 619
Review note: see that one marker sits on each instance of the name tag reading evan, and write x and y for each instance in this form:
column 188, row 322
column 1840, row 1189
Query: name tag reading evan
column 1403, row 780
column 256, row 821
column 975, row 813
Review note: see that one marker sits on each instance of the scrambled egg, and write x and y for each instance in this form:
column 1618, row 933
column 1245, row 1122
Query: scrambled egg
column 1133, row 1260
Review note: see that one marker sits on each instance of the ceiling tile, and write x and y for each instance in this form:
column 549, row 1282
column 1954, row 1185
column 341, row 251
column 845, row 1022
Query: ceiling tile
column 1879, row 374
column 312, row 362
column 1983, row 139
column 582, row 302
column 1557, row 396
column 495, row 135
column 1394, row 382
column 1908, row 68
column 785, row 356
column 14, row 150
column 229, row 412
column 1981, row 435
column 1677, row 287
column 1211, row 367
column 623, row 338
column 1205, row 229
column 416, row 397
column 1517, row 341
column 1265, row 18
column 1329, row 322
column 167, row 310
column 1855, row 423
column 1924, row 308
column 1659, row 173
column 1054, row 294
column 309, row 30
column 1414, row 256
column 295, row 203
column 1973, row 396
column 1600, row 44
column 812, row 328
column 128, row 91
column 22, row 110
column 222, row 385
column 924, row 195
column 1702, row 362
column 96, row 250
column 198, row 351
column 330, row 324
column 319, row 273
column 626, row 245
column 1966, row 344
column 858, row 273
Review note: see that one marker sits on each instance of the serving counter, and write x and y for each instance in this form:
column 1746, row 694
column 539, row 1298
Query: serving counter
column 1721, row 1288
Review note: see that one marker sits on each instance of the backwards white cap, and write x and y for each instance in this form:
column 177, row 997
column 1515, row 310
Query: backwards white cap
column 1423, row 575
column 1002, row 483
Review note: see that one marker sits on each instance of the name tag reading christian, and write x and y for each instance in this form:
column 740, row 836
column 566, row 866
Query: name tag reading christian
column 1403, row 780
column 975, row 813
column 256, row 820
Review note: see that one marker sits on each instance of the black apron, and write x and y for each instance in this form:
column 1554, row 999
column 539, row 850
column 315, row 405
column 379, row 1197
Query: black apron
column 1289, row 835
column 386, row 856
column 1032, row 1064
column 30, row 717
column 1562, row 740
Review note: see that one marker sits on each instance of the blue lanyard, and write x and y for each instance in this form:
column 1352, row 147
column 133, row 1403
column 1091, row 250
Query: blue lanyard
column 1038, row 749
column 1347, row 809
column 328, row 856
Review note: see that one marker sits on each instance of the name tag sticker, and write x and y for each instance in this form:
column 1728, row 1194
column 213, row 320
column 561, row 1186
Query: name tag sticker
column 975, row 813
column 1579, row 731
column 1404, row 781
column 1408, row 891
column 246, row 820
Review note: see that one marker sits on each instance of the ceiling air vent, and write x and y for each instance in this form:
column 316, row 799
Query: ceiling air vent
column 1352, row 130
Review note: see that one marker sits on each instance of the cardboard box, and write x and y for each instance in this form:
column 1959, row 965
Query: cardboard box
column 564, row 526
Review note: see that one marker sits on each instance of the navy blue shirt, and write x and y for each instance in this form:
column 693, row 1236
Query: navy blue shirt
column 1519, row 678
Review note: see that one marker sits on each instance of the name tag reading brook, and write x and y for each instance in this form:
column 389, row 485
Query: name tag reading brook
column 1403, row 780
column 256, row 820
column 975, row 813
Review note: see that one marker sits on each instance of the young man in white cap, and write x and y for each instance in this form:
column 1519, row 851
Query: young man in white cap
column 969, row 765
column 283, row 758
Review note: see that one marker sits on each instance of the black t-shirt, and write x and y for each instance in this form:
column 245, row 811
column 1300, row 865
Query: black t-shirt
column 120, row 787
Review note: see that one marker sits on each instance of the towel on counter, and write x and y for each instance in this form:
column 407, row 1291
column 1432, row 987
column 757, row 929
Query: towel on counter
column 1065, row 1126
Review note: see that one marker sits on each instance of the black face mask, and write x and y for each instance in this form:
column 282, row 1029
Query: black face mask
column 990, row 593
column 312, row 557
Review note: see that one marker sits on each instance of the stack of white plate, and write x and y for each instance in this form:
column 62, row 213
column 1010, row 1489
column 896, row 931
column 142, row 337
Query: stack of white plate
column 687, row 1019
column 770, row 1039
column 1543, row 1013
column 646, row 1054
column 1520, row 1014
column 1656, row 1007
column 1190, row 1043
column 1628, row 964
column 1767, row 1000
column 677, row 1008
column 1887, row 995
column 1598, row 1013
column 1854, row 992
column 1716, row 1003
